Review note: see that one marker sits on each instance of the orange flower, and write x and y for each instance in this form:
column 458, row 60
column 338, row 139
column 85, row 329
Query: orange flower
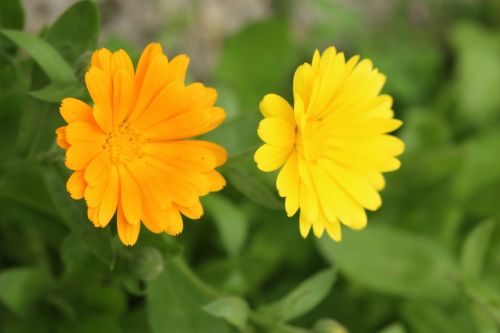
column 131, row 152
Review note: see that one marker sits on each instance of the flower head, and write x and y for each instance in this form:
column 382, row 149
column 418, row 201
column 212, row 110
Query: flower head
column 131, row 151
column 332, row 146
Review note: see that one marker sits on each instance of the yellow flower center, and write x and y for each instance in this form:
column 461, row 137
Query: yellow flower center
column 310, row 141
column 124, row 144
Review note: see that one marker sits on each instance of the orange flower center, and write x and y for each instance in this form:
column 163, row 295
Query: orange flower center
column 310, row 141
column 124, row 144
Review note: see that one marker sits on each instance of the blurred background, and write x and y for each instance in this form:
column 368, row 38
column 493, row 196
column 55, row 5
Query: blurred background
column 429, row 260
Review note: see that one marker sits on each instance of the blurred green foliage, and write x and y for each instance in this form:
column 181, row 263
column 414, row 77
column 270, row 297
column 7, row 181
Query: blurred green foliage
column 428, row 262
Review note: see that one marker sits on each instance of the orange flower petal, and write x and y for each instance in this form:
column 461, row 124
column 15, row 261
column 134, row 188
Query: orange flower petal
column 77, row 158
column 127, row 232
column 61, row 137
column 85, row 135
column 76, row 185
column 130, row 196
column 102, row 60
column 109, row 201
column 98, row 171
column 73, row 109
column 174, row 224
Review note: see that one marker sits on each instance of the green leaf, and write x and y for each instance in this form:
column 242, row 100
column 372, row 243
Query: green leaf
column 302, row 299
column 474, row 250
column 11, row 14
column 393, row 262
column 13, row 92
column 477, row 71
column 105, row 299
column 231, row 221
column 411, row 80
column 49, row 60
column 257, row 60
column 95, row 323
column 21, row 287
column 72, row 212
column 175, row 300
column 232, row 309
column 67, row 35
column 73, row 252
column 425, row 317
column 55, row 92
column 480, row 168
column 253, row 186
column 424, row 130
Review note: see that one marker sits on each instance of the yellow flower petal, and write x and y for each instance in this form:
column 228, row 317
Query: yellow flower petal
column 270, row 158
column 305, row 226
column 358, row 188
column 276, row 132
column 276, row 106
column 336, row 143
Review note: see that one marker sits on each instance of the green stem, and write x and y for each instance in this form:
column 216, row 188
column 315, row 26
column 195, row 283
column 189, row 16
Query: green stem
column 242, row 153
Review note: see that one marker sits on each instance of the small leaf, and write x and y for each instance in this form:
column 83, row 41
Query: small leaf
column 394, row 328
column 67, row 35
column 426, row 317
column 477, row 72
column 72, row 212
column 479, row 168
column 302, row 299
column 148, row 263
column 175, row 300
column 95, row 323
column 394, row 262
column 55, row 92
column 328, row 326
column 253, row 186
column 49, row 60
column 255, row 44
column 11, row 14
column 232, row 309
column 73, row 252
column 21, row 287
column 474, row 250
column 231, row 222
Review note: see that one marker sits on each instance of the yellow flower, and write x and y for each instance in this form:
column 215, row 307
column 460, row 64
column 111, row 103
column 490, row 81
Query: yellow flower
column 332, row 145
column 131, row 153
